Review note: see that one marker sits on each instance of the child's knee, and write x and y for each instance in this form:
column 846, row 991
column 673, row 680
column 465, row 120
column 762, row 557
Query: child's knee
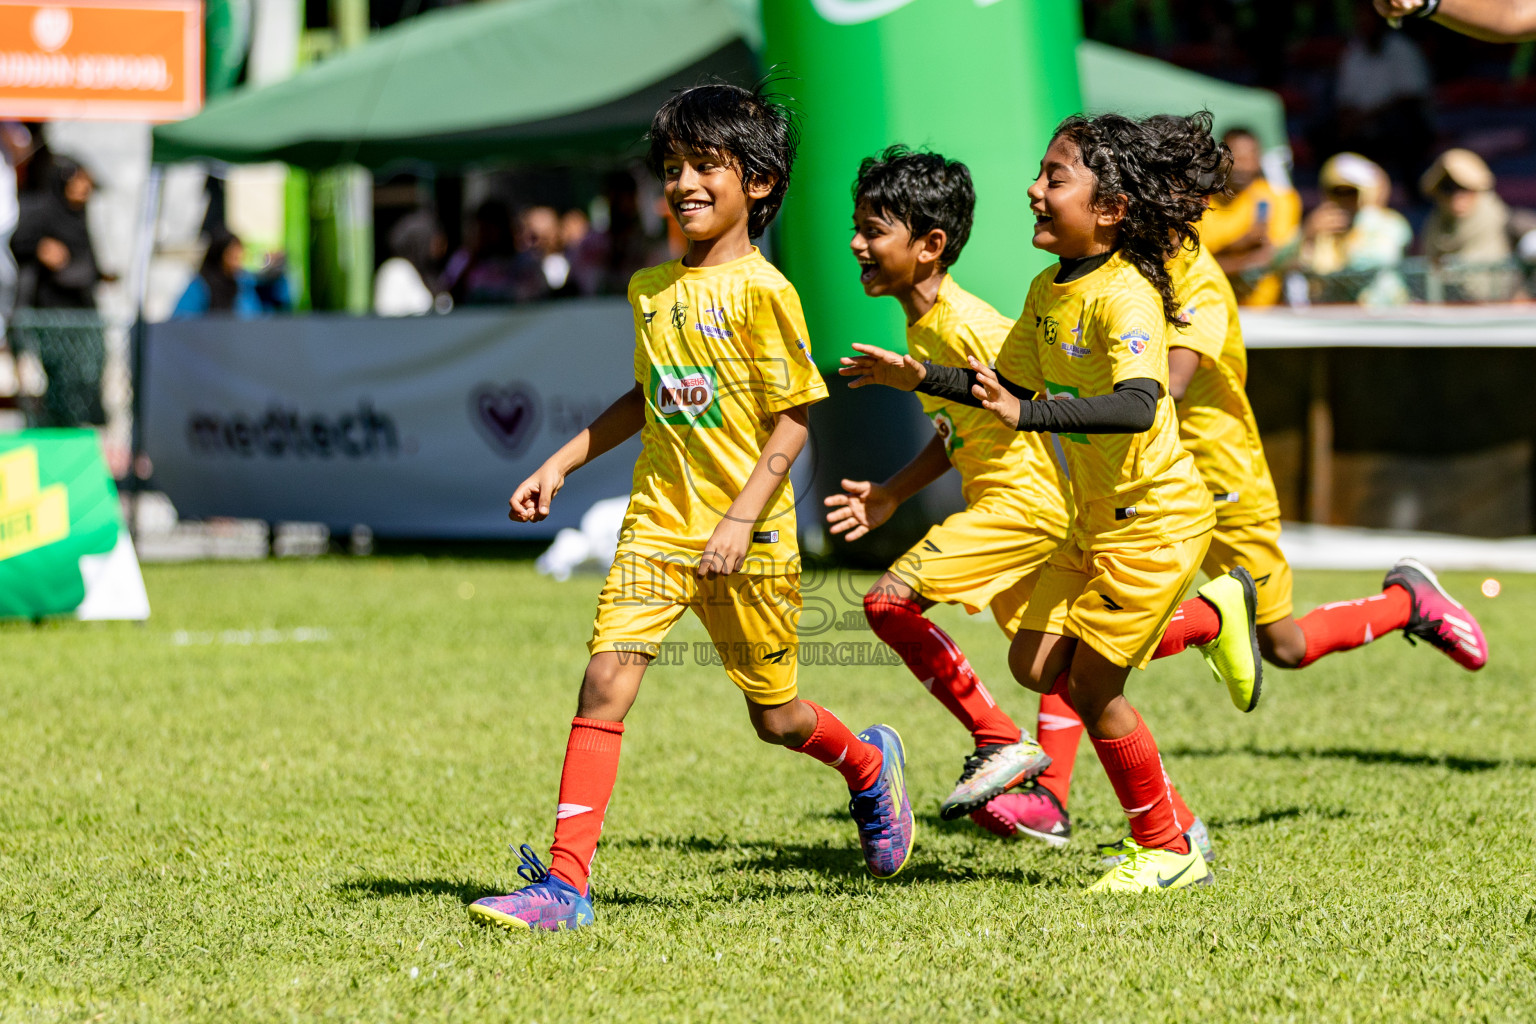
column 781, row 726
column 608, row 687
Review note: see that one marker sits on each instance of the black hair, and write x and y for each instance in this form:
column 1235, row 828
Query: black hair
column 222, row 286
column 748, row 127
column 922, row 190
column 1162, row 168
column 1239, row 132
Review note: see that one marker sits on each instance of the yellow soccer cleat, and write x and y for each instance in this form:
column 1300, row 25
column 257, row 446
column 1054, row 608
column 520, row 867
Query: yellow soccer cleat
column 1234, row 654
column 1149, row 869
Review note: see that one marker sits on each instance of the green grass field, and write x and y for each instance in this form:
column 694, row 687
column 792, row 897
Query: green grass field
column 274, row 800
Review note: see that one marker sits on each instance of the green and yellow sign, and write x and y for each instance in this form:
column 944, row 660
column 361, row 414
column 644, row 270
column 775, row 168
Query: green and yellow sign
column 61, row 531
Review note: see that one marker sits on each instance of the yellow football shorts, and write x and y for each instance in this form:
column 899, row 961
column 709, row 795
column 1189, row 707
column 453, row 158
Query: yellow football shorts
column 1255, row 547
column 980, row 557
column 752, row 621
column 1117, row 600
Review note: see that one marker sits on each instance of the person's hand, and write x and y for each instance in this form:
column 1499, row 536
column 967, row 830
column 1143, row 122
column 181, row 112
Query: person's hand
column 1327, row 219
column 1396, row 10
column 530, row 502
column 876, row 365
column 726, row 550
column 861, row 507
column 995, row 398
column 52, row 254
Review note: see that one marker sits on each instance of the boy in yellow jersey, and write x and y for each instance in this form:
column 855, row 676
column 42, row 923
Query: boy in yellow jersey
column 912, row 217
column 1092, row 345
column 1208, row 369
column 723, row 378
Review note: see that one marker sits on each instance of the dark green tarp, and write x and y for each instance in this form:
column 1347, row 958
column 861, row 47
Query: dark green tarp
column 546, row 79
column 554, row 80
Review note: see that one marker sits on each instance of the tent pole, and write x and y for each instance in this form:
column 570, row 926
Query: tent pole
column 149, row 216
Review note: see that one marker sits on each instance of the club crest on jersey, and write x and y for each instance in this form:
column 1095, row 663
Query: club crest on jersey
column 1137, row 339
column 718, row 328
column 1048, row 329
column 1075, row 348
column 679, row 315
column 686, row 395
column 944, row 426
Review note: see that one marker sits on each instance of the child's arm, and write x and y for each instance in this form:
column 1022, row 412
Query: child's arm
column 1182, row 364
column 613, row 426
column 864, row 505
column 727, row 547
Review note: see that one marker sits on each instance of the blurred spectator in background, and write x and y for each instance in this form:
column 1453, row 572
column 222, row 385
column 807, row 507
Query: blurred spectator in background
column 223, row 285
column 1382, row 94
column 56, row 262
column 57, row 270
column 544, row 270
column 15, row 145
column 574, row 227
column 611, row 252
column 407, row 283
column 1353, row 237
column 1467, row 235
column 1254, row 227
column 484, row 270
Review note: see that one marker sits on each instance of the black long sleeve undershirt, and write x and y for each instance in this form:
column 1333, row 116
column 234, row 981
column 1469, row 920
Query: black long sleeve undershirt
column 1131, row 409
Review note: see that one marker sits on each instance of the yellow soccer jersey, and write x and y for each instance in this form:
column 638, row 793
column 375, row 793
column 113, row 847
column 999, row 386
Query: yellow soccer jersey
column 1075, row 340
column 1215, row 420
column 989, row 457
column 719, row 351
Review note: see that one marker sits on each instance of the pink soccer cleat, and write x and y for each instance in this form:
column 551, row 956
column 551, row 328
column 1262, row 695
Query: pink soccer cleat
column 1437, row 617
column 1032, row 812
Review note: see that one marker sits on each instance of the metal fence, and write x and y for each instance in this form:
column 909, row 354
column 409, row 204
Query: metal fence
column 69, row 346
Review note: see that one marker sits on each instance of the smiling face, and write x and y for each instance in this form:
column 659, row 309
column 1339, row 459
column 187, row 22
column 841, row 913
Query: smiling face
column 1067, row 224
column 706, row 196
column 890, row 259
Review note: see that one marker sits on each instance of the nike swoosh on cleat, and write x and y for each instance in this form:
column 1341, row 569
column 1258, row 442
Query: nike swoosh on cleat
column 569, row 811
column 1163, row 883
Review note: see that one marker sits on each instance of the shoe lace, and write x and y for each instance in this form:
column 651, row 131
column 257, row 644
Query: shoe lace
column 864, row 808
column 976, row 760
column 1119, row 848
column 535, row 873
column 1133, row 855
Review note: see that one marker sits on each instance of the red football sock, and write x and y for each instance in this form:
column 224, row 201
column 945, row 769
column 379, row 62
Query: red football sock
column 1058, row 730
column 586, row 783
column 835, row 744
column 935, row 659
column 1196, row 622
column 1345, row 625
column 1136, row 772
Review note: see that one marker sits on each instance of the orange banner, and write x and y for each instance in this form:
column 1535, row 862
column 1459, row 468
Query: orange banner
column 101, row 60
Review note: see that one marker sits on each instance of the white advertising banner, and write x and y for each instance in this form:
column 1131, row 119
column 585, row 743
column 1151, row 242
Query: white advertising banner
column 415, row 427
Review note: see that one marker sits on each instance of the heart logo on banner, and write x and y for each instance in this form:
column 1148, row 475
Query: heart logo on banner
column 507, row 416
column 51, row 27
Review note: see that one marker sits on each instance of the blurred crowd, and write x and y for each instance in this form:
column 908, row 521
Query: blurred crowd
column 515, row 255
column 1352, row 246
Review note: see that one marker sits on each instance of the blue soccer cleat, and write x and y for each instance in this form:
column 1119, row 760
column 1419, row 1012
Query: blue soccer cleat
column 883, row 812
column 550, row 903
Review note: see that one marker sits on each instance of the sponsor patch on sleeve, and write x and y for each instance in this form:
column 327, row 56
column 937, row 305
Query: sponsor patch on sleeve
column 1137, row 339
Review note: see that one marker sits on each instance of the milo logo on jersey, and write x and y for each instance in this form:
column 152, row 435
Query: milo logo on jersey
column 944, row 425
column 686, row 395
column 1061, row 392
